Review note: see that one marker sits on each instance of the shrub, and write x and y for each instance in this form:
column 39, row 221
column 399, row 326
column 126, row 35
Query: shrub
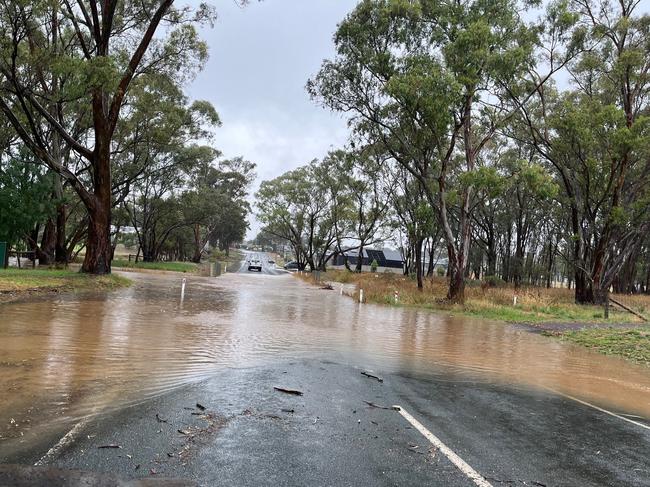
column 374, row 265
column 494, row 281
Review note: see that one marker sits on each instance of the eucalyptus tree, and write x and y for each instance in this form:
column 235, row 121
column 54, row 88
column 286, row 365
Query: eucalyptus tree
column 360, row 183
column 215, row 204
column 413, row 218
column 430, row 79
column 298, row 207
column 596, row 139
column 25, row 202
column 156, row 152
column 66, row 68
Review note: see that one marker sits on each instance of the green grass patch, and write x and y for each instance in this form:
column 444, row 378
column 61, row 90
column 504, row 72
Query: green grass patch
column 28, row 280
column 158, row 266
column 633, row 344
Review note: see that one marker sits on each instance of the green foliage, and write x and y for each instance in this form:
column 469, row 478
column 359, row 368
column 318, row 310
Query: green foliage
column 374, row 265
column 25, row 197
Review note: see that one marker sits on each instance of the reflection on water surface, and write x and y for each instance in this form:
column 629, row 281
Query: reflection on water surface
column 63, row 358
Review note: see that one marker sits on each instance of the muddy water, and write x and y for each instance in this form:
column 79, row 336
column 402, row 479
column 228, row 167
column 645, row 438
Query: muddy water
column 67, row 357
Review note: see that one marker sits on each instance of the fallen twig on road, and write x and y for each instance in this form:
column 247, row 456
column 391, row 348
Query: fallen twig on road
column 289, row 391
column 200, row 406
column 109, row 446
column 371, row 376
column 160, row 420
column 377, row 406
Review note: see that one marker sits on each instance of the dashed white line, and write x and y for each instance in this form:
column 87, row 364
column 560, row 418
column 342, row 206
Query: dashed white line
column 472, row 474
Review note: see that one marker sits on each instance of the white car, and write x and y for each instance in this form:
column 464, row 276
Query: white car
column 255, row 265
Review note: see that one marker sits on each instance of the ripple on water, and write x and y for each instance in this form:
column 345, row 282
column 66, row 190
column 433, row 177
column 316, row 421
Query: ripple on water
column 66, row 357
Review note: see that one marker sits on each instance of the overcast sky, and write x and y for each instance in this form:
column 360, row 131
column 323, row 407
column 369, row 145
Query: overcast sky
column 261, row 57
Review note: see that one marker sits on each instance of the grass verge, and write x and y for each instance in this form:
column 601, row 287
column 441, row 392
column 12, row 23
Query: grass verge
column 633, row 344
column 534, row 305
column 16, row 282
column 187, row 267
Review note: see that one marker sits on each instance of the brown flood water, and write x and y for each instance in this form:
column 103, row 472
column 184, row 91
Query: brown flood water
column 67, row 357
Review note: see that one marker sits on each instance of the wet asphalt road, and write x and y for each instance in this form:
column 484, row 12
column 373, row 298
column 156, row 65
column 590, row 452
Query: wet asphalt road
column 267, row 268
column 251, row 434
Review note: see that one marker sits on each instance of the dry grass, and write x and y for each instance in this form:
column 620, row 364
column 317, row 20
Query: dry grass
column 534, row 305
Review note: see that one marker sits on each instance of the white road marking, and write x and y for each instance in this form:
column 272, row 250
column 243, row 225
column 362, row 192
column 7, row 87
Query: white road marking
column 472, row 474
column 67, row 439
column 597, row 408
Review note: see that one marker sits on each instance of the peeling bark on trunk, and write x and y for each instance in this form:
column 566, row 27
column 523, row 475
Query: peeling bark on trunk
column 98, row 245
column 48, row 244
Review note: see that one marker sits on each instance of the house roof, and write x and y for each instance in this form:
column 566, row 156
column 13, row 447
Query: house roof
column 385, row 254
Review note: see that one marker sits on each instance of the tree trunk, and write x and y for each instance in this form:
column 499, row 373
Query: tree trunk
column 456, row 293
column 491, row 257
column 98, row 245
column 551, row 260
column 359, row 266
column 60, row 248
column 418, row 264
column 432, row 264
column 198, row 248
column 48, row 244
column 584, row 292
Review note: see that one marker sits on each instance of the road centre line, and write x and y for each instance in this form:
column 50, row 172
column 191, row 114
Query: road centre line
column 472, row 474
column 67, row 439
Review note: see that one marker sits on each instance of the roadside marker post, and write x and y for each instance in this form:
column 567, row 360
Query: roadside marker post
column 183, row 282
column 396, row 297
column 361, row 295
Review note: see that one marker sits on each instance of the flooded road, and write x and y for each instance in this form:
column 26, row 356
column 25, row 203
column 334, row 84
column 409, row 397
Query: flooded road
column 63, row 358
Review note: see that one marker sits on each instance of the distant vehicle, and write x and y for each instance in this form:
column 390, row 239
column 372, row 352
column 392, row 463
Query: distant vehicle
column 255, row 265
column 292, row 266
